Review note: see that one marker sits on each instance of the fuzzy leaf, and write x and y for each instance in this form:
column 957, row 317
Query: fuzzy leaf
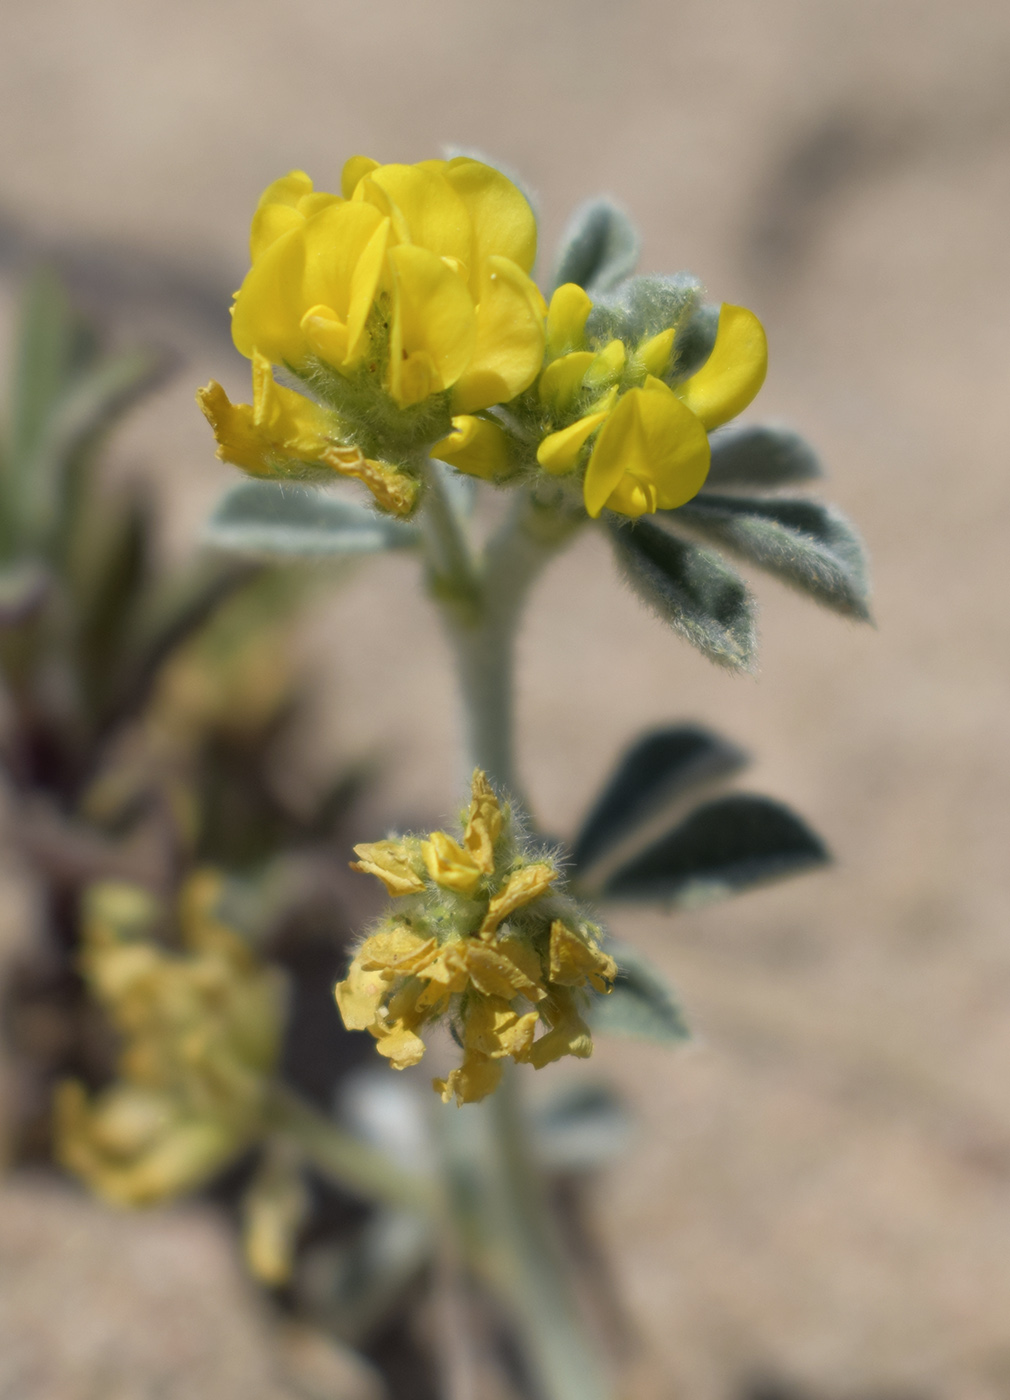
column 691, row 588
column 656, row 769
column 641, row 1006
column 694, row 342
column 721, row 848
column 266, row 518
column 644, row 306
column 762, row 457
column 599, row 248
column 805, row 543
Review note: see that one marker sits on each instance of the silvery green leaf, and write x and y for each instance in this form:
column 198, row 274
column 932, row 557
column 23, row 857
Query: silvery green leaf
column 599, row 248
column 268, row 518
column 579, row 1128
column 658, row 768
column 641, row 1005
column 805, row 543
column 644, row 306
column 691, row 588
column 762, row 456
column 723, row 847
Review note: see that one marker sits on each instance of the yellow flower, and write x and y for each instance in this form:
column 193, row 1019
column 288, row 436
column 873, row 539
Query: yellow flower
column 201, row 1035
column 486, row 940
column 415, row 276
column 282, row 433
column 651, row 448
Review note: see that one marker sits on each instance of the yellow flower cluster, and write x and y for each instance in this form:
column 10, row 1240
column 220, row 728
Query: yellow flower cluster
column 404, row 305
column 412, row 283
column 201, row 1034
column 642, row 441
column 483, row 936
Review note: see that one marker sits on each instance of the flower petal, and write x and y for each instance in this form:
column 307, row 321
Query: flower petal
column 476, row 446
column 509, row 348
column 354, row 170
column 433, row 315
column 656, row 440
column 501, row 219
column 522, row 888
column 277, row 211
column 309, row 266
column 562, row 379
column 436, row 217
column 559, row 451
column 566, row 318
column 449, row 864
column 734, row 372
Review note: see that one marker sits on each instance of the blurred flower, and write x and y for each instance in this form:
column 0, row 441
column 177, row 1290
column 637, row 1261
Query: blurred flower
column 201, row 1035
column 480, row 935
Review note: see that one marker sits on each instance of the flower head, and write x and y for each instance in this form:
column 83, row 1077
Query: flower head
column 481, row 934
column 201, row 1034
column 618, row 407
column 402, row 299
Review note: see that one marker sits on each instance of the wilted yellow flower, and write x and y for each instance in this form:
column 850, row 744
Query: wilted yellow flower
column 487, row 940
column 201, row 1033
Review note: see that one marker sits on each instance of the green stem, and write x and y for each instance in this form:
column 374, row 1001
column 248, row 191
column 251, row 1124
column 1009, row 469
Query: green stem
column 563, row 1356
column 345, row 1160
column 495, row 1195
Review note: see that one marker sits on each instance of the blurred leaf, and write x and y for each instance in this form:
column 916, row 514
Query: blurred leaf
column 721, row 848
column 657, row 768
column 44, row 357
column 268, row 518
column 691, row 588
column 580, row 1128
column 168, row 619
column 109, row 588
column 65, row 393
column 762, row 457
column 805, row 543
column 24, row 587
column 352, row 1287
column 599, row 248
column 641, row 1006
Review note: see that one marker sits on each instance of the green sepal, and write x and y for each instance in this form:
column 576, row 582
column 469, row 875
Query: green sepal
column 723, row 847
column 272, row 519
column 762, row 457
column 641, row 1005
column 690, row 588
column 807, row 544
column 659, row 767
column 599, row 248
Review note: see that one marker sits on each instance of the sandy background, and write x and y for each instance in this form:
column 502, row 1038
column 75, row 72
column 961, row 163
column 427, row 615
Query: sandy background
column 820, row 1188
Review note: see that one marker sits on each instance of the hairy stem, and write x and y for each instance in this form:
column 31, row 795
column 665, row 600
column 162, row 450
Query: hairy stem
column 495, row 1195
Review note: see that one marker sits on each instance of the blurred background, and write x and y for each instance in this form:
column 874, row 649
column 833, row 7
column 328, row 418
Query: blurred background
column 817, row 1201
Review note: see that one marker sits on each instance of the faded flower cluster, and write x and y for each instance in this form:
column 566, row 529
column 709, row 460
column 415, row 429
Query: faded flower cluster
column 480, row 935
